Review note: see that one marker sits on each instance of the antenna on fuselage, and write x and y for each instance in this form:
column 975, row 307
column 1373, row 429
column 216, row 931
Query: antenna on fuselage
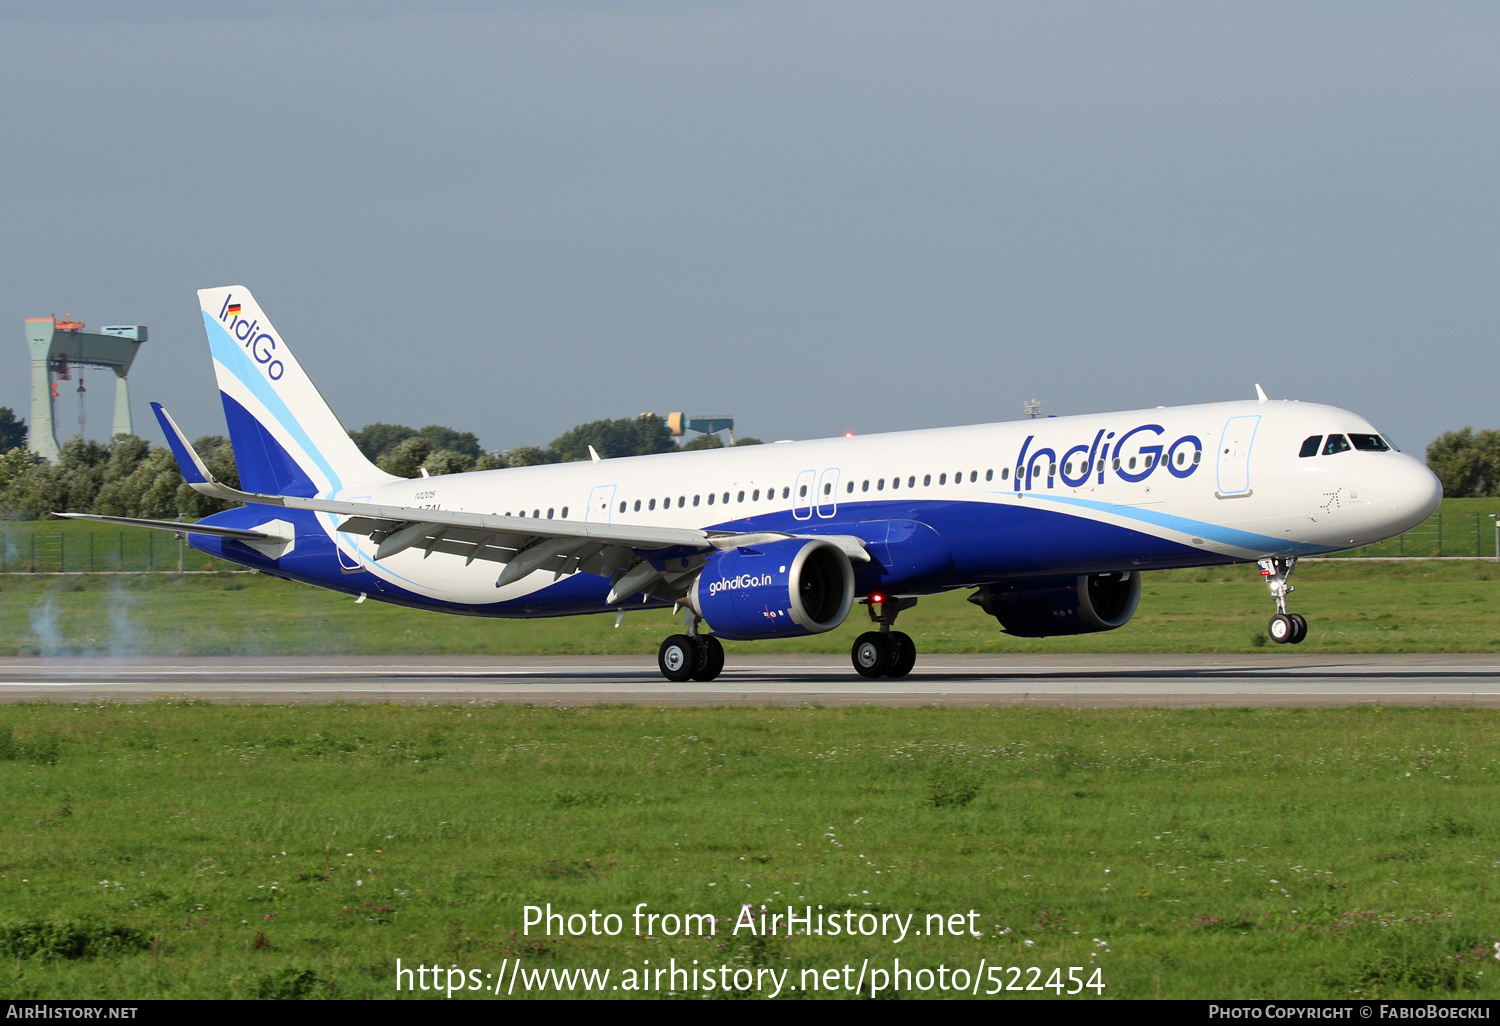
column 1260, row 393
column 1033, row 408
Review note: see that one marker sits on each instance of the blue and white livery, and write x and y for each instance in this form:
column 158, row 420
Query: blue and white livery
column 1049, row 521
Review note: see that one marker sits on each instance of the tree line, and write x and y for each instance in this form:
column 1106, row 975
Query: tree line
column 1467, row 462
column 129, row 477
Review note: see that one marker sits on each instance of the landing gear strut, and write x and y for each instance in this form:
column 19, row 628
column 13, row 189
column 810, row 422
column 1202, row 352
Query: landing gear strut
column 885, row 653
column 1285, row 628
column 690, row 656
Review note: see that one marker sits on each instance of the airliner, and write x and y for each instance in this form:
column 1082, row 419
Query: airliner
column 1050, row 522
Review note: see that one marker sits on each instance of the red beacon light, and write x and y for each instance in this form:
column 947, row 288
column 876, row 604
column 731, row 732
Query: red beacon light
column 848, row 434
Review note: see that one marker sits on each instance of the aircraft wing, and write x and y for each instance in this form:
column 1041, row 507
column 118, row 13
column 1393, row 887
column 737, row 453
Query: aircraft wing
column 622, row 552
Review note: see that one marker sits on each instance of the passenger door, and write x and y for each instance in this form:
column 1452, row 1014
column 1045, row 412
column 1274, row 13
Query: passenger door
column 601, row 504
column 828, row 493
column 802, row 495
column 1234, row 456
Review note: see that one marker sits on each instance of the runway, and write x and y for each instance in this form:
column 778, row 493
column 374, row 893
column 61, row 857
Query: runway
column 1085, row 681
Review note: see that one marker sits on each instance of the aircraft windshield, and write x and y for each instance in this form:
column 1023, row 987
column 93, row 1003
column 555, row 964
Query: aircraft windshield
column 1370, row 443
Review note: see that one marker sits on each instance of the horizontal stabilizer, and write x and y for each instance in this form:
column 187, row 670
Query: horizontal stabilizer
column 178, row 527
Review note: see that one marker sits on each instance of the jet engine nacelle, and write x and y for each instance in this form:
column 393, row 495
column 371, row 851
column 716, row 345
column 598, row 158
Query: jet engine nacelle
column 785, row 589
column 1062, row 605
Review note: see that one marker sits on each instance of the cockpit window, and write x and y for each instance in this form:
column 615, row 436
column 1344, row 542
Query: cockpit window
column 1335, row 443
column 1370, row 443
column 1310, row 447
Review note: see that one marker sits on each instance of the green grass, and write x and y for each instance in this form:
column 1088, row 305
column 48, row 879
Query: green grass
column 82, row 546
column 177, row 850
column 1353, row 607
column 1461, row 527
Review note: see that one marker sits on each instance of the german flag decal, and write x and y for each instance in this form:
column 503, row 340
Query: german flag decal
column 234, row 308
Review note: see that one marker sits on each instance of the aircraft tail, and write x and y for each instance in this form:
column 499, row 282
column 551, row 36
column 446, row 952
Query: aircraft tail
column 286, row 439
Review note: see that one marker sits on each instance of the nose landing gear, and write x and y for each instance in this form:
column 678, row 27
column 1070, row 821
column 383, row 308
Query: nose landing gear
column 885, row 653
column 1285, row 628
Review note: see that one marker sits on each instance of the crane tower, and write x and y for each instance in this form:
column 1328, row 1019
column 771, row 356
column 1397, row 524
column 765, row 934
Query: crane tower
column 60, row 346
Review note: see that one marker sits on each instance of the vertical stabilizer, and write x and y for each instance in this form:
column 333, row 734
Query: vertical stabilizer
column 286, row 439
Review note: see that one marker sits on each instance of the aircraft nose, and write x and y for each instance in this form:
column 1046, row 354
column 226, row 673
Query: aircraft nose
column 1412, row 491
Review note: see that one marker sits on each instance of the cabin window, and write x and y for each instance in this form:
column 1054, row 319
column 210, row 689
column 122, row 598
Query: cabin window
column 1068, row 469
column 681, row 501
column 710, row 498
column 866, row 486
column 880, row 485
column 1181, row 458
column 622, row 505
column 1117, row 463
column 536, row 513
column 1310, row 446
column 652, row 504
column 974, row 476
column 989, row 475
column 1197, row 456
column 549, row 514
column 786, row 493
column 726, row 498
column 802, row 492
column 1052, row 470
column 565, row 513
column 1150, row 461
column 1005, row 473
column 740, row 497
column 895, row 482
column 755, row 495
column 696, row 498
column 637, row 505
column 1132, row 463
column 1335, row 443
column 926, row 480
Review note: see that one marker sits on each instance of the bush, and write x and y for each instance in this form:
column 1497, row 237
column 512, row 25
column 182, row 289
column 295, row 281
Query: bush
column 69, row 938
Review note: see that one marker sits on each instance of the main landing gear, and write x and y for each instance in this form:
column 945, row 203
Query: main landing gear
column 884, row 653
column 690, row 656
column 1285, row 628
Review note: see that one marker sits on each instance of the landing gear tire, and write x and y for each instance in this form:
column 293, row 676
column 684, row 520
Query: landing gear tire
column 1300, row 623
column 710, row 658
column 1282, row 629
column 903, row 654
column 677, row 658
column 871, row 654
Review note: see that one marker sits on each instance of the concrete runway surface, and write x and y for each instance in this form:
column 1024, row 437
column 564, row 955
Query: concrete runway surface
column 1273, row 678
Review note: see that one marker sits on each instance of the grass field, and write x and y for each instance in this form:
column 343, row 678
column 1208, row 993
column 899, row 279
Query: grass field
column 175, row 850
column 1352, row 606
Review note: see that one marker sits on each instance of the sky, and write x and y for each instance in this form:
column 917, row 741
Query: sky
column 816, row 217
